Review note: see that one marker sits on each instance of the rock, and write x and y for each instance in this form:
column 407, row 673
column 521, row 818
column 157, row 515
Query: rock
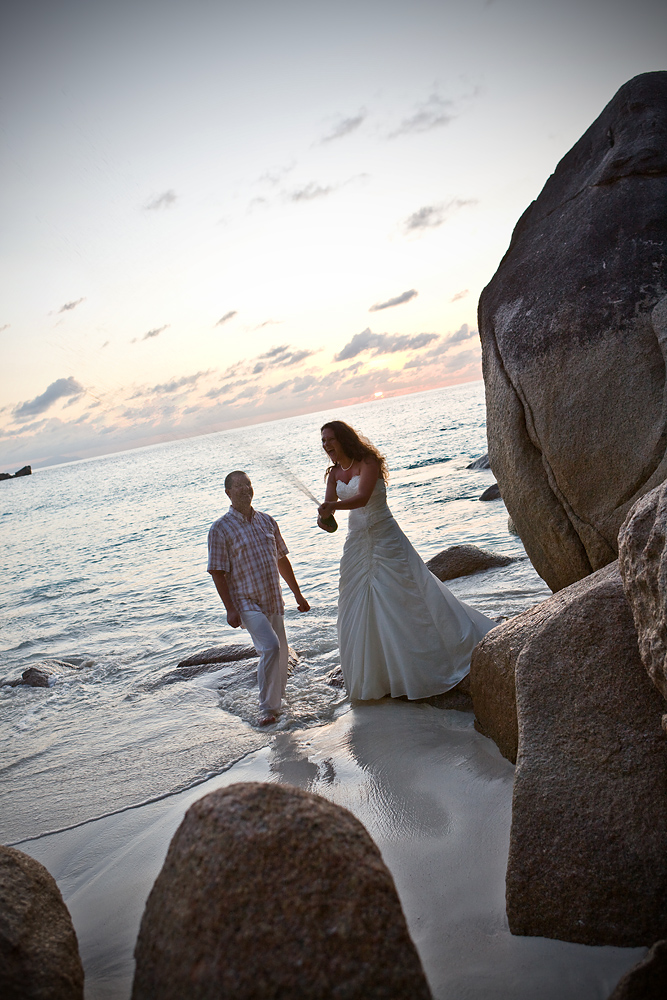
column 511, row 526
column 219, row 654
column 491, row 493
column 642, row 557
column 25, row 471
column 269, row 891
column 462, row 560
column 588, row 842
column 480, row 463
column 648, row 979
column 39, row 953
column 574, row 329
column 335, row 678
column 46, row 673
column 210, row 659
column 6, row 475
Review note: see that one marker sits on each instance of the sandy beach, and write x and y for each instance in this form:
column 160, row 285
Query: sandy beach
column 436, row 798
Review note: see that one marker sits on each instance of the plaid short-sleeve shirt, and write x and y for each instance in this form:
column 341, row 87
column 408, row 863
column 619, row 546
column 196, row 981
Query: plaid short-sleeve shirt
column 248, row 552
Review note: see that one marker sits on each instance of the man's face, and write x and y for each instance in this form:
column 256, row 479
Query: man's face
column 241, row 493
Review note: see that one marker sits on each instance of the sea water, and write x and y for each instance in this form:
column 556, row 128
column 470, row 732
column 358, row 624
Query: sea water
column 104, row 570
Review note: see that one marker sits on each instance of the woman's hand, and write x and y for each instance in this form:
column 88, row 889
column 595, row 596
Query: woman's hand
column 326, row 509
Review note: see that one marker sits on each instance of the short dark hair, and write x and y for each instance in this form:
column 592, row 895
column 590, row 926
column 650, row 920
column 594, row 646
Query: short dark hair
column 229, row 478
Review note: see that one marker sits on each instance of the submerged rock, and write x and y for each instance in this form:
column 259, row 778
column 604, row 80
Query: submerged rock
column 462, row 560
column 588, row 842
column 218, row 654
column 210, row 660
column 271, row 891
column 46, row 673
column 39, row 953
column 574, row 333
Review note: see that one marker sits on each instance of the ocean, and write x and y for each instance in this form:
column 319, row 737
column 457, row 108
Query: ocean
column 104, row 569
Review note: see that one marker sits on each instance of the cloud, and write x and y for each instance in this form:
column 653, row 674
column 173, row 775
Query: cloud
column 344, row 127
column 177, row 383
column 431, row 216
column 383, row 343
column 59, row 389
column 70, row 305
column 459, row 295
column 281, row 356
column 164, row 200
column 398, row 301
column 433, row 113
column 463, row 333
column 151, row 334
column 310, row 192
column 227, row 316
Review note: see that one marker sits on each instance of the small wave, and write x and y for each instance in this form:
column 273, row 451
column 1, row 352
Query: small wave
column 429, row 461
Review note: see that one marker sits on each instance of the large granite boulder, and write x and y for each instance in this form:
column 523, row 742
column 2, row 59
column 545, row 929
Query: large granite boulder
column 573, row 328
column 642, row 556
column 588, row 843
column 39, row 953
column 269, row 891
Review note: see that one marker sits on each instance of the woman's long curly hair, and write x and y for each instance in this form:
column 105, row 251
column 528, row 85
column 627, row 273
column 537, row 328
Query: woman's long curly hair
column 355, row 446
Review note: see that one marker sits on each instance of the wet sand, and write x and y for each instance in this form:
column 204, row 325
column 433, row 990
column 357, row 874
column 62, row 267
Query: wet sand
column 436, row 798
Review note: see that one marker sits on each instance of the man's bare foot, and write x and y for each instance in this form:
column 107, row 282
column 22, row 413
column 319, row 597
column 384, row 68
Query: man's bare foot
column 266, row 720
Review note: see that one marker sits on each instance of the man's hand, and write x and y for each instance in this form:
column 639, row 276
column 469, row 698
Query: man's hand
column 233, row 618
column 301, row 602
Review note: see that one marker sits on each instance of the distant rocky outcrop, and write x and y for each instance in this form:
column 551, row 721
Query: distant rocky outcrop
column 39, row 953
column 642, row 546
column 270, row 891
column 25, row 471
column 462, row 560
column 574, row 341
column 588, row 844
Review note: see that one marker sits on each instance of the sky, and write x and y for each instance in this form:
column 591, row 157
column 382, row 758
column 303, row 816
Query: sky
column 220, row 212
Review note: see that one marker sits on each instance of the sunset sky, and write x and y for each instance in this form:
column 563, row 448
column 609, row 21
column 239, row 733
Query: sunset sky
column 216, row 212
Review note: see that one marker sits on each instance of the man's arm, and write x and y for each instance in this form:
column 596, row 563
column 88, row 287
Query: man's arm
column 221, row 585
column 287, row 573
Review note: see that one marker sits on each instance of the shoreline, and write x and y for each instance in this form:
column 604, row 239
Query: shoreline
column 434, row 795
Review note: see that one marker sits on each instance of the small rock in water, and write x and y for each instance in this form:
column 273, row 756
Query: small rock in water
column 38, row 945
column 480, row 463
column 335, row 678
column 462, row 560
column 219, row 654
column 209, row 660
column 271, row 891
column 492, row 493
column 44, row 674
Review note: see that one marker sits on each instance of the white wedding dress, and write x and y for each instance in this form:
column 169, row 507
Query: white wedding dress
column 400, row 630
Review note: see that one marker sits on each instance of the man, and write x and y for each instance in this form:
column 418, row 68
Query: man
column 246, row 553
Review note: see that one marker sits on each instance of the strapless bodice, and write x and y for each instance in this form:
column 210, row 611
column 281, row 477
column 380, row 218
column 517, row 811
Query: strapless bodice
column 375, row 510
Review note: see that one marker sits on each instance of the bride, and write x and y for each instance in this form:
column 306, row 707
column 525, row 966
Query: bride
column 400, row 630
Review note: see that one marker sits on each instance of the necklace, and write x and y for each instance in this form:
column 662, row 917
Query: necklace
column 343, row 469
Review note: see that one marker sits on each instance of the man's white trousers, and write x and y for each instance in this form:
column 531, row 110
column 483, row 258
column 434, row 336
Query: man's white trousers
column 268, row 637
